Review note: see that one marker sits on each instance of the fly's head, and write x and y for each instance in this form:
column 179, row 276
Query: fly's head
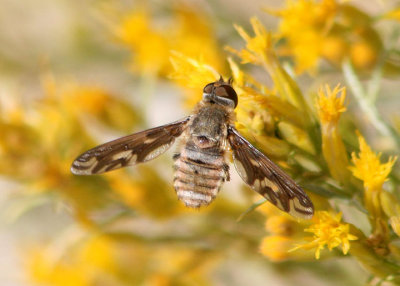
column 220, row 92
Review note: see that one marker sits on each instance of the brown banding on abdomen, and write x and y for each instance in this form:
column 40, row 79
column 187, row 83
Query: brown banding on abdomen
column 198, row 176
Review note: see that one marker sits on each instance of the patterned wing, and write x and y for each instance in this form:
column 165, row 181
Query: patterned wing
column 266, row 178
column 129, row 150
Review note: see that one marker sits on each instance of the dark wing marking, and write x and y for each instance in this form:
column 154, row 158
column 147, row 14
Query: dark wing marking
column 129, row 150
column 266, row 178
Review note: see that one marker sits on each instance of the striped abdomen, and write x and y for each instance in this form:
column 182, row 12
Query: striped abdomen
column 199, row 174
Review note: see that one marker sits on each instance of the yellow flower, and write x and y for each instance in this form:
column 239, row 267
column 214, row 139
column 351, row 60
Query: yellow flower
column 334, row 48
column 149, row 46
column 77, row 101
column 284, row 232
column 276, row 247
column 281, row 225
column 257, row 114
column 39, row 149
column 98, row 252
column 304, row 25
column 258, row 48
column 259, row 105
column 159, row 279
column 127, row 188
column 174, row 265
column 48, row 272
column 364, row 54
column 16, row 142
column 192, row 74
column 244, row 83
column 368, row 168
column 327, row 29
column 195, row 37
column 269, row 104
column 330, row 105
column 259, row 52
column 164, row 205
column 394, row 14
column 328, row 231
column 187, row 31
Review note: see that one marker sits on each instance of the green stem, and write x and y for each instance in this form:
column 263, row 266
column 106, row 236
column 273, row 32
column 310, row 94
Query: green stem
column 366, row 102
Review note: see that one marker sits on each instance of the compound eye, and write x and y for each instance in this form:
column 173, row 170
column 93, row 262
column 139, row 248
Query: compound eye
column 221, row 91
column 208, row 88
column 228, row 92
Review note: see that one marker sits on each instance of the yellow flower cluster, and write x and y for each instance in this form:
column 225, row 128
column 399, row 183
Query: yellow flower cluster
column 261, row 108
column 58, row 132
column 328, row 230
column 186, row 32
column 258, row 48
column 327, row 29
column 394, row 14
column 368, row 168
column 192, row 74
column 330, row 105
column 101, row 259
column 283, row 233
column 305, row 25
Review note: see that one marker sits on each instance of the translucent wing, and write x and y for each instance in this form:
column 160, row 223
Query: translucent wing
column 129, row 150
column 266, row 178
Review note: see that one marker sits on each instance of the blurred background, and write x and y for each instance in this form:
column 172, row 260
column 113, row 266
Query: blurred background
column 74, row 74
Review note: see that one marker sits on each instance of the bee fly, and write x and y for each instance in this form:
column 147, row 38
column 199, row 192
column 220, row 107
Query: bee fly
column 200, row 166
